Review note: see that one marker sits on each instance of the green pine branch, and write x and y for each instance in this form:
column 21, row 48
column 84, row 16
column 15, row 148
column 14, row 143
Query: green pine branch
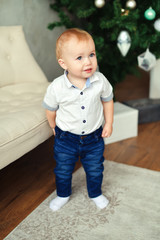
column 105, row 24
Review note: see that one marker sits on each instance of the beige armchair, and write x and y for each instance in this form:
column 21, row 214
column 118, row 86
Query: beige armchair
column 23, row 124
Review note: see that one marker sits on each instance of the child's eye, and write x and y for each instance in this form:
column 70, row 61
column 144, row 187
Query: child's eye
column 79, row 58
column 92, row 54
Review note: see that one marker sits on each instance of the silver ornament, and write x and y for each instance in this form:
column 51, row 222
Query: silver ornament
column 157, row 24
column 146, row 60
column 99, row 3
column 131, row 4
column 124, row 42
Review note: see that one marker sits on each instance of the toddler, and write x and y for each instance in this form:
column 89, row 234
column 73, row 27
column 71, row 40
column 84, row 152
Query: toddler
column 77, row 103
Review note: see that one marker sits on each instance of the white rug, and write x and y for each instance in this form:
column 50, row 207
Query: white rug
column 133, row 212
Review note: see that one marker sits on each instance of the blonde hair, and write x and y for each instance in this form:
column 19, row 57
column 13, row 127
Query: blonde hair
column 81, row 35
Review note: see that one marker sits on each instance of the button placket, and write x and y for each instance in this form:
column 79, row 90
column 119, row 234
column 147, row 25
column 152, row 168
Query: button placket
column 83, row 112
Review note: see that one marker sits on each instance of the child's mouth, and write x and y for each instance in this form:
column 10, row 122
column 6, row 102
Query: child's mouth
column 88, row 70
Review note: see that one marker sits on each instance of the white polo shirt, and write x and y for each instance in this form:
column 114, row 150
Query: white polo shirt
column 79, row 111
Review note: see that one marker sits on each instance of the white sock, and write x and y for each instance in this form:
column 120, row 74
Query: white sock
column 101, row 201
column 58, row 202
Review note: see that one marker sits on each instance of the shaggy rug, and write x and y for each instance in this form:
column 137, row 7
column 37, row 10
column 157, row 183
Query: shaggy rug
column 132, row 214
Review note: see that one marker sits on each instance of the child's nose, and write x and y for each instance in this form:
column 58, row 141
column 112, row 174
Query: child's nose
column 88, row 60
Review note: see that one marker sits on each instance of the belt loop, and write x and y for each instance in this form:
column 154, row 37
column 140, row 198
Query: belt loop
column 82, row 137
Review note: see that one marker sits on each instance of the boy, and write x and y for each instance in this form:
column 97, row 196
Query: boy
column 76, row 105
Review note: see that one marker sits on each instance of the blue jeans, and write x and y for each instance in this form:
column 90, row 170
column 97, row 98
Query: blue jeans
column 68, row 147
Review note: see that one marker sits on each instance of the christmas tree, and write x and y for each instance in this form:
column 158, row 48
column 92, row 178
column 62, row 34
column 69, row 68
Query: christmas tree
column 105, row 20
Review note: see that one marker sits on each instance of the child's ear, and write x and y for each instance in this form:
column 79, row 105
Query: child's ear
column 62, row 64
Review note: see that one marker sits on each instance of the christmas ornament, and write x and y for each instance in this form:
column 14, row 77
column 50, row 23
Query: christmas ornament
column 124, row 12
column 157, row 25
column 124, row 42
column 146, row 60
column 99, row 3
column 131, row 4
column 150, row 14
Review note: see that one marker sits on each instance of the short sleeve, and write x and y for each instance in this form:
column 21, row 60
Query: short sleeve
column 107, row 92
column 50, row 100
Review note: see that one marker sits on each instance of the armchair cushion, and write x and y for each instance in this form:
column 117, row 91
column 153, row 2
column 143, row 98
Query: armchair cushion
column 22, row 120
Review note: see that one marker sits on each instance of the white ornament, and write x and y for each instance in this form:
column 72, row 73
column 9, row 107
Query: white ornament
column 99, row 3
column 146, row 60
column 131, row 4
column 157, row 25
column 124, row 42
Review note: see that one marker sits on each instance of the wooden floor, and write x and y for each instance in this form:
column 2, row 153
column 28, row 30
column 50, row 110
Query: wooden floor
column 25, row 183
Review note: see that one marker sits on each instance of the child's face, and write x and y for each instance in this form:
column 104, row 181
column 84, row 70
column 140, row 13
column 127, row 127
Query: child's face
column 79, row 59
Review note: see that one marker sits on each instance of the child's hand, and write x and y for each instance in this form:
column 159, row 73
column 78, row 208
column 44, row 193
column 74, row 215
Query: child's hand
column 54, row 133
column 107, row 130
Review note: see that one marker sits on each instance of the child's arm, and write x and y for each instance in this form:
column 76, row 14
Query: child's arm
column 51, row 116
column 108, row 108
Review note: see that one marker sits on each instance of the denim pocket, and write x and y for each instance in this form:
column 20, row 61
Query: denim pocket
column 98, row 135
column 59, row 133
column 97, row 138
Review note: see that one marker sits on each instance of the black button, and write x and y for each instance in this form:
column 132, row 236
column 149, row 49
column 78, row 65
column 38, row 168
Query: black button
column 81, row 93
column 83, row 132
column 84, row 121
column 83, row 107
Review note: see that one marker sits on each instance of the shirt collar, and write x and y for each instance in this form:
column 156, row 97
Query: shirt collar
column 90, row 80
column 94, row 78
column 69, row 84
